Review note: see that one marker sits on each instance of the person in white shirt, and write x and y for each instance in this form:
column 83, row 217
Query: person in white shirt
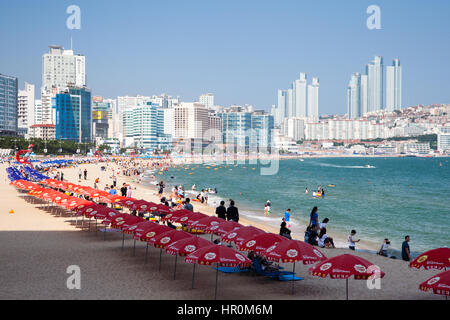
column 351, row 241
column 384, row 247
column 324, row 240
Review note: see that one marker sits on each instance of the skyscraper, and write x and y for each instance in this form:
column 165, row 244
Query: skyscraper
column 61, row 69
column 25, row 108
column 300, row 96
column 313, row 100
column 364, row 94
column 8, row 105
column 207, row 100
column 74, row 115
column 354, row 105
column 281, row 106
column 374, row 71
column 394, row 86
column 290, row 103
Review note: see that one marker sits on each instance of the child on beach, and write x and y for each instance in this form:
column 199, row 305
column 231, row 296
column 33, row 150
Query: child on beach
column 351, row 241
column 324, row 240
column 287, row 216
column 266, row 210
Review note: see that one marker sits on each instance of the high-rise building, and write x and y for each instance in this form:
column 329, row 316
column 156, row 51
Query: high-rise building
column 294, row 128
column 300, row 96
column 207, row 100
column 38, row 111
column 313, row 100
column 144, row 128
column 101, row 114
column 374, row 71
column 364, row 94
column 25, row 111
column 281, row 106
column 443, row 140
column 354, row 106
column 74, row 115
column 191, row 121
column 8, row 105
column 62, row 68
column 394, row 86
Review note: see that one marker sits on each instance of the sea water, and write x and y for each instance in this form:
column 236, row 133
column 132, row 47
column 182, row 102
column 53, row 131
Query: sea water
column 378, row 197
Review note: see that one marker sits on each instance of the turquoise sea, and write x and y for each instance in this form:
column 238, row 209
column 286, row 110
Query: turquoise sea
column 393, row 198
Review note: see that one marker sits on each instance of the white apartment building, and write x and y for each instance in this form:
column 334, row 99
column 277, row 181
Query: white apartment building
column 332, row 129
column 25, row 108
column 443, row 140
column 300, row 96
column 207, row 100
column 61, row 67
column 313, row 100
column 294, row 128
column 394, row 86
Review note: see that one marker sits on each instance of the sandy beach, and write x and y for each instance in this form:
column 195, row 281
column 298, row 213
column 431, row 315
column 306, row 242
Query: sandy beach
column 38, row 246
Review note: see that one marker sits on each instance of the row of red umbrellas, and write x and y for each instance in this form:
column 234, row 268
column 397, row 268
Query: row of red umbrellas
column 201, row 251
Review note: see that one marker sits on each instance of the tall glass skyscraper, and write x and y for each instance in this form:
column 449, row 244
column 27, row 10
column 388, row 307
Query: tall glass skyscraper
column 74, row 115
column 300, row 96
column 354, row 96
column 313, row 100
column 375, row 74
column 8, row 105
column 394, row 86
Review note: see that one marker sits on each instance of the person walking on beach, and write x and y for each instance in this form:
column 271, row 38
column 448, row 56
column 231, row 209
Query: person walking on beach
column 287, row 217
column 79, row 174
column 114, row 181
column 351, row 241
column 161, row 189
column 221, row 211
column 314, row 218
column 232, row 212
column 129, row 191
column 406, row 253
column 85, row 174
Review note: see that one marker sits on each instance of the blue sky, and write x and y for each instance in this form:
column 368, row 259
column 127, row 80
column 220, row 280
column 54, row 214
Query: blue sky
column 242, row 51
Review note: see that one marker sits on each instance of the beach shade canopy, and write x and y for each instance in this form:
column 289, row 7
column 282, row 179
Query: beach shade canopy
column 220, row 255
column 176, row 213
column 239, row 235
column 25, row 185
column 223, row 227
column 205, row 222
column 440, row 284
column 189, row 218
column 111, row 198
column 142, row 206
column 187, row 246
column 293, row 251
column 433, row 259
column 137, row 226
column 159, row 209
column 127, row 203
column 77, row 202
column 86, row 210
column 153, row 232
column 124, row 221
column 164, row 239
column 217, row 254
column 143, row 228
column 345, row 266
column 102, row 214
column 260, row 242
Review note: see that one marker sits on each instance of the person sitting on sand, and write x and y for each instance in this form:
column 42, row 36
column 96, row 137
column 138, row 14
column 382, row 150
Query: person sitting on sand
column 384, row 247
column 324, row 223
column 351, row 241
column 284, row 231
column 312, row 238
column 324, row 240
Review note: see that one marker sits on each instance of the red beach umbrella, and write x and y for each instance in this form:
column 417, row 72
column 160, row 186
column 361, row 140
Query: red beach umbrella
column 188, row 219
column 207, row 221
column 174, row 214
column 127, row 203
column 159, row 209
column 223, row 227
column 187, row 246
column 293, row 251
column 433, row 259
column 345, row 266
column 260, row 242
column 440, row 284
column 162, row 240
column 241, row 234
column 219, row 255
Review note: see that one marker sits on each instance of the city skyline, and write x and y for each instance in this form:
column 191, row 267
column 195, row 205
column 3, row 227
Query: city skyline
column 241, row 79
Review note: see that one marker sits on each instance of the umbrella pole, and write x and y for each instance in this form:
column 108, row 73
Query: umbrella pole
column 134, row 247
column 175, row 268
column 193, row 274
column 346, row 287
column 160, row 255
column 104, row 233
column 123, row 240
column 96, row 226
column 89, row 224
column 217, row 278
column 293, row 277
